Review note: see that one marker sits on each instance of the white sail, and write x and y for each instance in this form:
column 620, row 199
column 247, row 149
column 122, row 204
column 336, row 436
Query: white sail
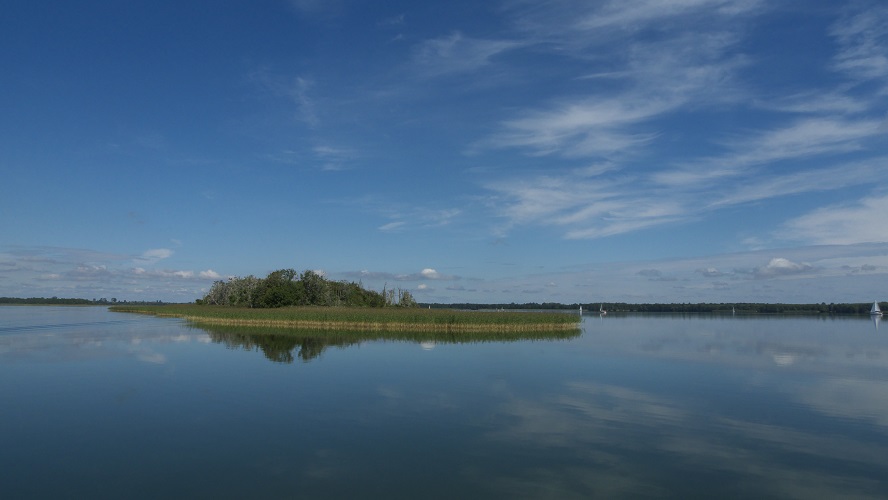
column 876, row 310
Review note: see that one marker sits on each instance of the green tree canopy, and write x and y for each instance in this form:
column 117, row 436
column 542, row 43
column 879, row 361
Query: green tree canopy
column 286, row 287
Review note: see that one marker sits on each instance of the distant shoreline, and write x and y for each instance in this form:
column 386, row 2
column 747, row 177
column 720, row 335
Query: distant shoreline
column 591, row 307
column 697, row 308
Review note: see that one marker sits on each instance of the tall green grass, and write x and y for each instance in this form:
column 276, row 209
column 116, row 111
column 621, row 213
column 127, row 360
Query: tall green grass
column 365, row 319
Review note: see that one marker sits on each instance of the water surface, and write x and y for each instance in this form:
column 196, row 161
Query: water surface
column 101, row 404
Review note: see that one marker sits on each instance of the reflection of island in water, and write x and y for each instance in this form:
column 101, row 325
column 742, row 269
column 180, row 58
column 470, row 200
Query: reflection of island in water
column 284, row 346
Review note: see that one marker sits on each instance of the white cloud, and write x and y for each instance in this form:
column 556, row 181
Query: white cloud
column 806, row 181
column 154, row 255
column 711, row 272
column 555, row 199
column 210, row 274
column 333, row 158
column 615, row 227
column 841, row 224
column 584, row 128
column 306, row 106
column 804, row 138
column 686, row 68
column 442, row 217
column 391, row 226
column 413, row 217
column 863, row 41
column 457, row 53
column 818, row 101
column 604, row 205
column 636, row 13
column 587, row 208
column 423, row 275
column 576, row 25
column 779, row 266
column 688, row 65
column 807, row 137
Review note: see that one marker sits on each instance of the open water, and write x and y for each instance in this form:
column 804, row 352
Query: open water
column 95, row 404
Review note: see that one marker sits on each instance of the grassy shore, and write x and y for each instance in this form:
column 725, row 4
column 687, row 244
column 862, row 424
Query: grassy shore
column 365, row 319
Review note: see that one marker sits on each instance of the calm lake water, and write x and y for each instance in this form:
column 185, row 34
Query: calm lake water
column 109, row 405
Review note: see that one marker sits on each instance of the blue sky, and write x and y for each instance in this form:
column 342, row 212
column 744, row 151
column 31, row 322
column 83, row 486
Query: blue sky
column 513, row 151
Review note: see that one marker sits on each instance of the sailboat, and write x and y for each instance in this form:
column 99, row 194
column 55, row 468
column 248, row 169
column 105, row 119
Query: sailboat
column 601, row 310
column 875, row 311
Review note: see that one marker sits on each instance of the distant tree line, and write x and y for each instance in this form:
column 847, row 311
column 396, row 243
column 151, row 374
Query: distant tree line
column 744, row 307
column 71, row 302
column 738, row 307
column 511, row 306
column 286, row 287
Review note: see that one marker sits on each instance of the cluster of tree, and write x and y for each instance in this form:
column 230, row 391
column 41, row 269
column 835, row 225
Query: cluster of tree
column 69, row 302
column 286, row 287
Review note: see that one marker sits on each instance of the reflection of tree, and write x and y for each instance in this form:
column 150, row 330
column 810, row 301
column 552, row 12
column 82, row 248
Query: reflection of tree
column 277, row 346
column 283, row 346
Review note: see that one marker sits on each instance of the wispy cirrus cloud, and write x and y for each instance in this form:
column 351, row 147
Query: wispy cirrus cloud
column 637, row 13
column 655, row 80
column 299, row 93
column 652, row 78
column 154, row 255
column 803, row 139
column 426, row 274
column 645, row 81
column 806, row 181
column 392, row 226
column 457, row 54
column 817, row 102
column 334, row 158
column 579, row 128
column 588, row 207
column 601, row 205
column 296, row 89
column 862, row 35
column 576, row 24
column 403, row 218
column 842, row 224
column 674, row 194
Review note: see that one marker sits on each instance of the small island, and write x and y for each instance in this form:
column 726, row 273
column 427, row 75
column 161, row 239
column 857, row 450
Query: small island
column 287, row 299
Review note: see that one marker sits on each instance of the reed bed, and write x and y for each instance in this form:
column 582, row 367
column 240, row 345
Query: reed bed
column 365, row 319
